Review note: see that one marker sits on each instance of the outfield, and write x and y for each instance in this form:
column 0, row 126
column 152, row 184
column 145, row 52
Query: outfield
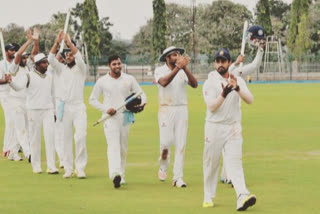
column 281, row 132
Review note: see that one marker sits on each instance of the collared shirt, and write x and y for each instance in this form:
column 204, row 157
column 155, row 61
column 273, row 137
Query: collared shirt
column 39, row 89
column 115, row 91
column 17, row 73
column 175, row 93
column 229, row 111
column 4, row 88
column 72, row 79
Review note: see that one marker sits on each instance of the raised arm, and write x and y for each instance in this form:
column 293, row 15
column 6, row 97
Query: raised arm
column 76, row 53
column 192, row 81
column 35, row 37
column 51, row 58
column 23, row 47
column 165, row 80
column 240, row 86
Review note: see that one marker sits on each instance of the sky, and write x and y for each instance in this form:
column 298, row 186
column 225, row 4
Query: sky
column 127, row 16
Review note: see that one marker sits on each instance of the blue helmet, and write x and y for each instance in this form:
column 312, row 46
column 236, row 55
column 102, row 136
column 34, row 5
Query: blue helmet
column 256, row 32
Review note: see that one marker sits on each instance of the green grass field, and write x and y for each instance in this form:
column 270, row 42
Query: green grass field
column 281, row 131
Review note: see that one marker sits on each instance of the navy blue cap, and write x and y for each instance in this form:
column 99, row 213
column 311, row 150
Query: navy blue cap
column 257, row 32
column 12, row 46
column 223, row 53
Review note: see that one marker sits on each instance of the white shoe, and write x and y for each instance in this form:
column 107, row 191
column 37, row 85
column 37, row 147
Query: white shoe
column 37, row 171
column 14, row 157
column 52, row 171
column 80, row 174
column 207, row 204
column 162, row 175
column 245, row 201
column 68, row 174
column 122, row 182
column 61, row 165
column 179, row 183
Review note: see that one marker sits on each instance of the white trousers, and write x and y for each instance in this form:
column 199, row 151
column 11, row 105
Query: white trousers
column 58, row 136
column 75, row 116
column 21, row 127
column 227, row 138
column 117, row 139
column 38, row 119
column 173, row 125
column 9, row 121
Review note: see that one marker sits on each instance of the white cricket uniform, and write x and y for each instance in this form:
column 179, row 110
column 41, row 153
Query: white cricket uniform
column 20, row 111
column 40, row 111
column 6, row 104
column 115, row 91
column 248, row 68
column 223, row 133
column 173, row 118
column 58, row 125
column 74, row 114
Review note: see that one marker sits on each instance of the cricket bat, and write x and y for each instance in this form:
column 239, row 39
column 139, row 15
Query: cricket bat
column 65, row 30
column 119, row 108
column 244, row 37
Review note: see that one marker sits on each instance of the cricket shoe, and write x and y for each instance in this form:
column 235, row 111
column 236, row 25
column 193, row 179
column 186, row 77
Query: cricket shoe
column 68, row 174
column 245, row 201
column 80, row 174
column 37, row 171
column 162, row 175
column 52, row 171
column 207, row 204
column 14, row 157
column 123, row 182
column 117, row 181
column 179, row 183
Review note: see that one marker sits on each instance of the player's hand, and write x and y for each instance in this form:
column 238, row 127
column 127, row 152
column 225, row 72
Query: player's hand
column 111, row 111
column 35, row 35
column 240, row 59
column 8, row 78
column 182, row 61
column 29, row 35
column 226, row 90
column 67, row 39
column 234, row 83
column 59, row 37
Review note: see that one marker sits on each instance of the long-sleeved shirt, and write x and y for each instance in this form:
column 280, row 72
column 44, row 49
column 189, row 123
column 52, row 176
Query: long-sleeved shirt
column 175, row 93
column 248, row 68
column 4, row 68
column 72, row 79
column 17, row 73
column 39, row 89
column 114, row 91
column 223, row 110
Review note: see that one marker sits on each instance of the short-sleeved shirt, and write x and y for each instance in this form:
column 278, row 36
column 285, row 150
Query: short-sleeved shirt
column 175, row 93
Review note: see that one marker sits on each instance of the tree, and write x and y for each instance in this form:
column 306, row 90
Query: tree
column 159, row 27
column 303, row 42
column 299, row 8
column 263, row 15
column 90, row 27
column 220, row 25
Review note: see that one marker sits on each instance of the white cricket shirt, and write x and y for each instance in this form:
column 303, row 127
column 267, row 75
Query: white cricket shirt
column 175, row 93
column 229, row 111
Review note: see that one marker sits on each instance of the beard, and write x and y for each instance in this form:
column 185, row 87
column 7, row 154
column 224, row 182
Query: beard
column 71, row 64
column 222, row 70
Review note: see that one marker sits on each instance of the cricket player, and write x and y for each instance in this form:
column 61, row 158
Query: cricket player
column 222, row 92
column 10, row 50
column 19, row 69
column 257, row 37
column 40, row 112
column 58, row 93
column 116, row 87
column 172, row 79
column 71, row 108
